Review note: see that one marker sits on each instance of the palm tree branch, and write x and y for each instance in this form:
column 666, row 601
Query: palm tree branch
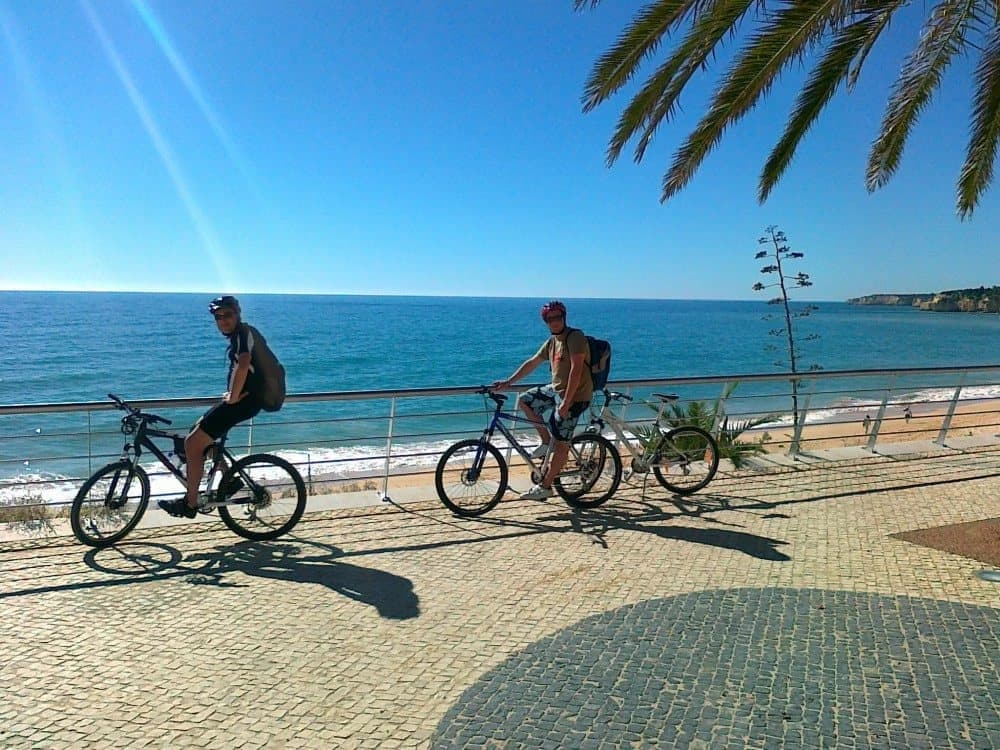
column 691, row 56
column 849, row 43
column 942, row 38
column 786, row 36
column 977, row 172
column 641, row 38
column 656, row 99
column 885, row 16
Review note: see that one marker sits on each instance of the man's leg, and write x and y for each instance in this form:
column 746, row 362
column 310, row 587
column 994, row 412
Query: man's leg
column 563, row 428
column 539, row 423
column 534, row 401
column 559, row 455
column 194, row 448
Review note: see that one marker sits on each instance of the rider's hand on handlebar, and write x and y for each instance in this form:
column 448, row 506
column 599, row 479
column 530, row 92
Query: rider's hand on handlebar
column 500, row 385
column 228, row 398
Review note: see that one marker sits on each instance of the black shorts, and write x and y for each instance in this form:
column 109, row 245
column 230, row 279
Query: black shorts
column 222, row 417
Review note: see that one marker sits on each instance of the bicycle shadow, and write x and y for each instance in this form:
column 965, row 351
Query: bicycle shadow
column 137, row 562
column 651, row 519
column 391, row 595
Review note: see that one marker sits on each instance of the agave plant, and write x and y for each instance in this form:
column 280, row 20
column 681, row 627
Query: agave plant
column 700, row 414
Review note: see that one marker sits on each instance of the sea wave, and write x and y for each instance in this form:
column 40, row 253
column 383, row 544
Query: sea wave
column 315, row 465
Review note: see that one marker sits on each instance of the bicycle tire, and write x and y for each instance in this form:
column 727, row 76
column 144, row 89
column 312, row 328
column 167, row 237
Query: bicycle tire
column 691, row 456
column 93, row 519
column 454, row 487
column 590, row 455
column 273, row 502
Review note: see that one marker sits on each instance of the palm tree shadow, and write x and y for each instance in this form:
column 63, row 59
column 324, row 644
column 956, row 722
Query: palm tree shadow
column 393, row 596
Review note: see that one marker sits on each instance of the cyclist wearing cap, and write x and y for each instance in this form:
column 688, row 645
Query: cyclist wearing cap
column 239, row 403
column 567, row 397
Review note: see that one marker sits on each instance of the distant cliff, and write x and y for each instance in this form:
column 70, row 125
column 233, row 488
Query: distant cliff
column 983, row 299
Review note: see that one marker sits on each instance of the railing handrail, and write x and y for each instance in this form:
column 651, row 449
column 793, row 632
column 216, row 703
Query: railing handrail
column 180, row 403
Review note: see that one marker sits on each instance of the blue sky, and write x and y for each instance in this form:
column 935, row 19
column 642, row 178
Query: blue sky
column 432, row 147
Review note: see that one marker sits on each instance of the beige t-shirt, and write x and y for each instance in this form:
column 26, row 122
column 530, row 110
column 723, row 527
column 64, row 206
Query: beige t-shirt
column 557, row 350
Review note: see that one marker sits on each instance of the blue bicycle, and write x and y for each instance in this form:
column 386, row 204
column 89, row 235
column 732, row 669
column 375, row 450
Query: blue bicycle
column 472, row 475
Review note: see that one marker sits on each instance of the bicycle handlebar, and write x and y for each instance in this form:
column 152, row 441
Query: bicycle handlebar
column 133, row 412
column 616, row 396
column 497, row 398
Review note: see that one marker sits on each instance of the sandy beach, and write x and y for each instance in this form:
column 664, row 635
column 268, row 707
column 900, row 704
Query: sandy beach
column 971, row 418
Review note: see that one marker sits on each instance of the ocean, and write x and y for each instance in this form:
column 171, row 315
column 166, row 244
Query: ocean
column 78, row 346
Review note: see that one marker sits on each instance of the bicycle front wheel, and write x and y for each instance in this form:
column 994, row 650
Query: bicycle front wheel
column 266, row 494
column 109, row 504
column 471, row 477
column 592, row 473
column 688, row 459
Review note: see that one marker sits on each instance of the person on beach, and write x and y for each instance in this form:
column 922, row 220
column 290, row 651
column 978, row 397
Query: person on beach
column 564, row 399
column 907, row 414
column 240, row 403
column 867, row 422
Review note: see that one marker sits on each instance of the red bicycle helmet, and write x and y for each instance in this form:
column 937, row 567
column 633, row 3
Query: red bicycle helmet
column 555, row 306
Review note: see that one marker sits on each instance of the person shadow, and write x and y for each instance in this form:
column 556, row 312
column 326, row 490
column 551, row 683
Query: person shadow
column 391, row 595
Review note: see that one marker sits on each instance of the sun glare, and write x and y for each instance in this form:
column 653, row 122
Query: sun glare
column 202, row 225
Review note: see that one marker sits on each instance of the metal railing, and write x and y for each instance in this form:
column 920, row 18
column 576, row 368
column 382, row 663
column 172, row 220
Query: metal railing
column 362, row 440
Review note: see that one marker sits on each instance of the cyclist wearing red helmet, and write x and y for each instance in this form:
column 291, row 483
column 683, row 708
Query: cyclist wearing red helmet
column 238, row 404
column 566, row 398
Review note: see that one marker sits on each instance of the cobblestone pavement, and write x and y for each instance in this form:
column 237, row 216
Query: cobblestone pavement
column 770, row 610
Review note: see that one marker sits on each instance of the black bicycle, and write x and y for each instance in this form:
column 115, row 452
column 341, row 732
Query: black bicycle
column 471, row 476
column 259, row 496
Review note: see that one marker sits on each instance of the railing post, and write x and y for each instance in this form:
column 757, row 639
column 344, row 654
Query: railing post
column 946, row 424
column 720, row 412
column 877, row 424
column 250, row 437
column 90, row 445
column 625, row 405
column 388, row 450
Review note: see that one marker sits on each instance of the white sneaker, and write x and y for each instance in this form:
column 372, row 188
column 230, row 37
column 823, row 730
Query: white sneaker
column 538, row 492
column 540, row 451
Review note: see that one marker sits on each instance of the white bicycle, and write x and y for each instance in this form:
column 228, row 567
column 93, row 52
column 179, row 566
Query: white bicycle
column 683, row 459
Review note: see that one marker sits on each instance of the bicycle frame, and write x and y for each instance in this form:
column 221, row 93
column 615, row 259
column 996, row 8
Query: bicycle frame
column 132, row 451
column 497, row 424
column 618, row 426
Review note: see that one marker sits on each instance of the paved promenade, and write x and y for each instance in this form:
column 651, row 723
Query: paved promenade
column 772, row 610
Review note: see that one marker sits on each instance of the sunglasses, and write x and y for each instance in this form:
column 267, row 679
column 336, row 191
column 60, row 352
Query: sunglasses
column 553, row 318
column 224, row 315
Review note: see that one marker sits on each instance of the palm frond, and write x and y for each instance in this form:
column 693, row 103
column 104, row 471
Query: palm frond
column 691, row 56
column 977, row 172
column 657, row 97
column 942, row 38
column 885, row 14
column 641, row 38
column 850, row 42
column 787, row 35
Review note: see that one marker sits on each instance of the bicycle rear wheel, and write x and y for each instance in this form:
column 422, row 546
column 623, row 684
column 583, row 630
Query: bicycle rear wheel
column 267, row 496
column 471, row 477
column 592, row 473
column 687, row 461
column 109, row 504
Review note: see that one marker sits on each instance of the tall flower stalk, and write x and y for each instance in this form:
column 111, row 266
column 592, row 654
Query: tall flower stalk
column 781, row 254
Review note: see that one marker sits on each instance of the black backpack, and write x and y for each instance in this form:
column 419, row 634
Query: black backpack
column 271, row 371
column 599, row 360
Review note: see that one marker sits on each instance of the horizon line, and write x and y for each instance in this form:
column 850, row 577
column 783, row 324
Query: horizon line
column 429, row 296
